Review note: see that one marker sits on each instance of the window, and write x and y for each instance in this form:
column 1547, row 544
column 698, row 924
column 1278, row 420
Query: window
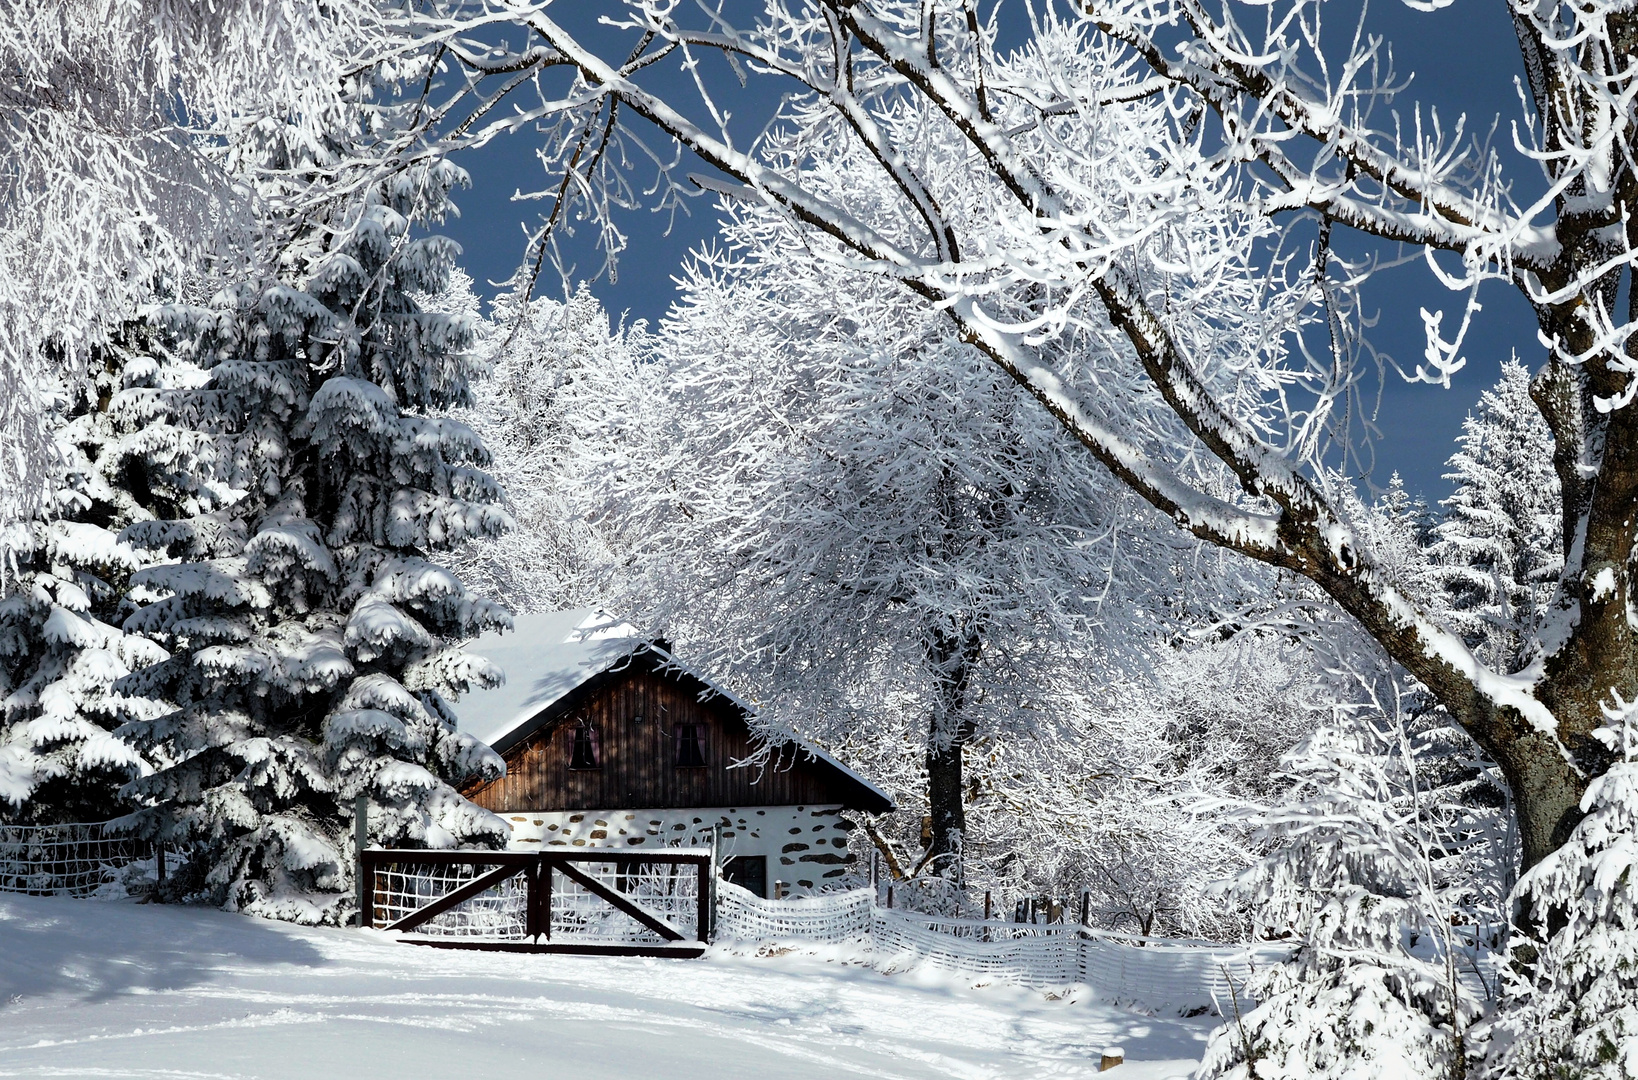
column 688, row 745
column 748, row 872
column 586, row 753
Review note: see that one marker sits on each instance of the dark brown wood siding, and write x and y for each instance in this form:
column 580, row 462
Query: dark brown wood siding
column 636, row 757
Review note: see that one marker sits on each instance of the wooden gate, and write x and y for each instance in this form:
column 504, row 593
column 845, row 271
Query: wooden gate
column 613, row 903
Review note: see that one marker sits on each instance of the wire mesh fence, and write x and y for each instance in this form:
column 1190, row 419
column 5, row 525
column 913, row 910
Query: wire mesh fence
column 833, row 918
column 1188, row 977
column 88, row 858
column 1182, row 976
column 79, row 859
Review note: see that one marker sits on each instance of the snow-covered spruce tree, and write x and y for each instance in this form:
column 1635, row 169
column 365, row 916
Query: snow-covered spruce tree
column 1400, row 533
column 66, row 590
column 1570, row 1000
column 536, row 354
column 1498, row 550
column 1366, row 877
column 1398, row 527
column 311, row 635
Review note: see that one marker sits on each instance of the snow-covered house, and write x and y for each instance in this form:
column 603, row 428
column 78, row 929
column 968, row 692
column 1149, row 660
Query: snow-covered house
column 611, row 742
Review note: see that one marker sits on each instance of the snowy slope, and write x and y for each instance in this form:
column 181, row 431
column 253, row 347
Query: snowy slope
column 123, row 990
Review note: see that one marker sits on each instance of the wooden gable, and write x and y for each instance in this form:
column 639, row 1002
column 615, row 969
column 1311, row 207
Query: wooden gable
column 635, row 710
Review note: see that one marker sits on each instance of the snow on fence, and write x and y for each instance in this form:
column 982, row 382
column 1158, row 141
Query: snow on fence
column 1154, row 973
column 68, row 860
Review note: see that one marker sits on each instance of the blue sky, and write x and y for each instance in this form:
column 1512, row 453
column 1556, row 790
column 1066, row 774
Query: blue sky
column 1464, row 59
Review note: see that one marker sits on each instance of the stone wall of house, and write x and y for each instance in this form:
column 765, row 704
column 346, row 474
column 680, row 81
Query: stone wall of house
column 805, row 845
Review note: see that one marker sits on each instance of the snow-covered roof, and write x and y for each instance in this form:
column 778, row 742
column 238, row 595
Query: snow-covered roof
column 545, row 656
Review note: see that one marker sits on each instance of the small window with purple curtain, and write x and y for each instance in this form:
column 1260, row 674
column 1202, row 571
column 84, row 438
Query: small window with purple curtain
column 586, row 753
column 688, row 743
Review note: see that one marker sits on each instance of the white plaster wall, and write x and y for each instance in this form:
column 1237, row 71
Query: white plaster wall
column 804, row 845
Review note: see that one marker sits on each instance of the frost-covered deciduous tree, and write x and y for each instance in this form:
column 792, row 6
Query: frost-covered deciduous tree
column 834, row 456
column 1498, row 549
column 1077, row 772
column 312, row 636
column 1088, row 247
column 805, row 492
column 544, row 359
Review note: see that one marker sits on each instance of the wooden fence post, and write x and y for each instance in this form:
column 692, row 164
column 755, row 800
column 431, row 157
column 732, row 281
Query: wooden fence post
column 1086, row 904
column 361, row 841
column 706, row 905
column 715, row 875
column 531, row 900
column 537, row 900
column 546, row 899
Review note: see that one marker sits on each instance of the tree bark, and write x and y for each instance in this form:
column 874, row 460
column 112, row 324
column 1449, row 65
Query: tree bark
column 953, row 653
column 944, row 782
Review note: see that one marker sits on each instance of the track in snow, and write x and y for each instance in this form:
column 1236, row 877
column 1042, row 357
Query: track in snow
column 92, row 989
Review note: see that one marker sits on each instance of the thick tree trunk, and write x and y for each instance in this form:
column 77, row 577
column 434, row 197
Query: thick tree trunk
column 944, row 784
column 953, row 653
column 1546, row 784
column 1546, row 797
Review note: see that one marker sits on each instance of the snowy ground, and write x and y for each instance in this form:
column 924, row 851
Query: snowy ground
column 93, row 989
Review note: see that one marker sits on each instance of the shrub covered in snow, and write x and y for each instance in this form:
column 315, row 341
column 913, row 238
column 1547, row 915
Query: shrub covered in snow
column 1570, row 1002
column 1368, row 876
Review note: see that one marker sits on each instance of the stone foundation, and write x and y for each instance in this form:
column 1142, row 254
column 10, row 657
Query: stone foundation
column 804, row 845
